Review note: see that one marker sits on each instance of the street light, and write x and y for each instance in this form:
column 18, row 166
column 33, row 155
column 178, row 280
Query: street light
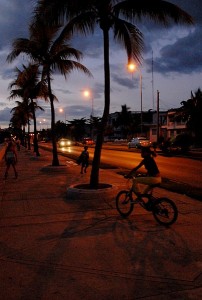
column 132, row 68
column 88, row 94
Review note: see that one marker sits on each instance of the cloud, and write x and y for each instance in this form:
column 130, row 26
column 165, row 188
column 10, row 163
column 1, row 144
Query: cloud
column 184, row 56
column 176, row 51
column 5, row 114
column 14, row 20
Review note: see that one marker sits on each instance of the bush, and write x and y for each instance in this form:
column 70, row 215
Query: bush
column 183, row 141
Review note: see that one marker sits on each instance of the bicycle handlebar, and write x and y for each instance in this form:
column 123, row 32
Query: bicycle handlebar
column 132, row 176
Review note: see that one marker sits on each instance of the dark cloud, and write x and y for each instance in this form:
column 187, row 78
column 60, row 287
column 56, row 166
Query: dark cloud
column 5, row 114
column 172, row 52
column 14, row 20
column 184, row 56
column 191, row 7
column 126, row 82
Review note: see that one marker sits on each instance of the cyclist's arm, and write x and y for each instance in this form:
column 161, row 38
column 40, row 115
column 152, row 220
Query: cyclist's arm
column 135, row 169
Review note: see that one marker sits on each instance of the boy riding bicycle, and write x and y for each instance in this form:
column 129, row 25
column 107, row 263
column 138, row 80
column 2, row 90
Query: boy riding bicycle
column 153, row 175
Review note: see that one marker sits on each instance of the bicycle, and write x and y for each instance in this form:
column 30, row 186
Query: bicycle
column 163, row 209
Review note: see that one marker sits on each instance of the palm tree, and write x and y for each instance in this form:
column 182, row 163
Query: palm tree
column 21, row 116
column 191, row 112
column 118, row 15
column 124, row 120
column 49, row 49
column 77, row 128
column 28, row 86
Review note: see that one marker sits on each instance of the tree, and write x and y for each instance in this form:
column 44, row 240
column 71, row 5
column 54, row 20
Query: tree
column 124, row 120
column 119, row 16
column 20, row 118
column 191, row 112
column 47, row 47
column 29, row 87
column 77, row 127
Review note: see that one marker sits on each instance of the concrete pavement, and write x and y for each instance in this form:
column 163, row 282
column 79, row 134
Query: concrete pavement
column 54, row 247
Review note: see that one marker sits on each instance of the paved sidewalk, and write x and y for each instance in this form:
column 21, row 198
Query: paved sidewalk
column 53, row 247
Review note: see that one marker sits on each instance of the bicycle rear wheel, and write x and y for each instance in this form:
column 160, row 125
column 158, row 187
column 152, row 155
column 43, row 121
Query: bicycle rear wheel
column 165, row 211
column 123, row 203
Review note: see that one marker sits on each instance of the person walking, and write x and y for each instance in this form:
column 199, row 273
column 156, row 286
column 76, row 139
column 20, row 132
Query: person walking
column 10, row 158
column 84, row 160
column 18, row 142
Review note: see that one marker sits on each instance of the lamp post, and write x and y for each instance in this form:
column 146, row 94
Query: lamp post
column 88, row 94
column 61, row 110
column 132, row 68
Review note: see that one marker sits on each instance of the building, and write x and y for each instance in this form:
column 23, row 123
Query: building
column 166, row 124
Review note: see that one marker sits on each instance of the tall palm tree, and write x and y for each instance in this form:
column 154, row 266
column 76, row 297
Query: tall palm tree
column 120, row 16
column 47, row 46
column 21, row 116
column 191, row 112
column 124, row 120
column 28, row 86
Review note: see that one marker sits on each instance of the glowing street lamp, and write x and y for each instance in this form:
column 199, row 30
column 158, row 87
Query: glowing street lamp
column 132, row 68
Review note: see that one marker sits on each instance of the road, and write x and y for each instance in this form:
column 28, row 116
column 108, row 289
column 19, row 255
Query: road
column 180, row 169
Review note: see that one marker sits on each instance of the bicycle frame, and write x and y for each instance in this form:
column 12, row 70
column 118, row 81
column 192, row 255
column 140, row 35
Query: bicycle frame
column 163, row 209
column 139, row 199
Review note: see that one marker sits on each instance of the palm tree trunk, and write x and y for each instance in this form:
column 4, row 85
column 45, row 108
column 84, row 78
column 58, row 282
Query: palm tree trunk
column 55, row 160
column 36, row 146
column 94, row 178
column 24, row 137
column 28, row 135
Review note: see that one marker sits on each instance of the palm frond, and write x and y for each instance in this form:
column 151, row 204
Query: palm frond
column 157, row 10
column 130, row 37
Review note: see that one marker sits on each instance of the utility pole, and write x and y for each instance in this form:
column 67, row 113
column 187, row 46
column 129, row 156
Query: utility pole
column 157, row 131
column 141, row 119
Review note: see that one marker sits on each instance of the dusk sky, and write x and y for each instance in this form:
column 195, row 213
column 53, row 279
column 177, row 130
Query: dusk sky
column 177, row 67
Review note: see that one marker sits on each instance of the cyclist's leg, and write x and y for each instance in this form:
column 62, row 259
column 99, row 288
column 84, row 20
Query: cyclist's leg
column 136, row 187
column 147, row 181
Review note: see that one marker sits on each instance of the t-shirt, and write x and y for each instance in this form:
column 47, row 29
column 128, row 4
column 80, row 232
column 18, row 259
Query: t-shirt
column 10, row 154
column 85, row 156
column 150, row 166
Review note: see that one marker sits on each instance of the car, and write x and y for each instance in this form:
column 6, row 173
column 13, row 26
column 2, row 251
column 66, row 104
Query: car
column 139, row 142
column 88, row 141
column 64, row 143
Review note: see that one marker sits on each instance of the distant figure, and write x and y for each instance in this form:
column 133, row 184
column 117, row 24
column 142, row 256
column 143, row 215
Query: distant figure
column 10, row 158
column 84, row 160
column 18, row 142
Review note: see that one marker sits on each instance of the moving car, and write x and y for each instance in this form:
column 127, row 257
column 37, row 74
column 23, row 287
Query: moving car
column 139, row 142
column 64, row 143
column 88, row 141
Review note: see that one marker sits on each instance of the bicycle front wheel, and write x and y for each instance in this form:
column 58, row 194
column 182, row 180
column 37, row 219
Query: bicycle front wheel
column 123, row 203
column 165, row 211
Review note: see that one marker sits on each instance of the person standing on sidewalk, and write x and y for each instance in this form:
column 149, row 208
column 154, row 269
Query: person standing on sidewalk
column 18, row 142
column 10, row 159
column 84, row 159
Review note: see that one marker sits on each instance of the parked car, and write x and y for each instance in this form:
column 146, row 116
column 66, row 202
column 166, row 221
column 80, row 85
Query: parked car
column 88, row 141
column 64, row 143
column 139, row 142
